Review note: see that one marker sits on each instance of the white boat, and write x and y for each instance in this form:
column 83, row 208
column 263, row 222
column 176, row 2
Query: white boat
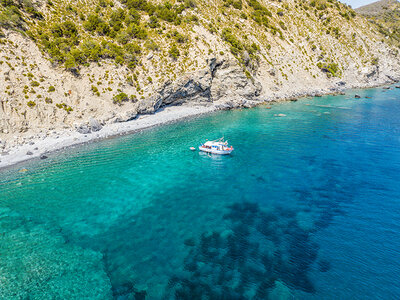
column 216, row 147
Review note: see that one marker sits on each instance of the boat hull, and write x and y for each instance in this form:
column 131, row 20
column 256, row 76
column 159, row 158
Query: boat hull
column 215, row 151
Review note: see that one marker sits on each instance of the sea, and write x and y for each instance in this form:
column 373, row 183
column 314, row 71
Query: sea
column 306, row 207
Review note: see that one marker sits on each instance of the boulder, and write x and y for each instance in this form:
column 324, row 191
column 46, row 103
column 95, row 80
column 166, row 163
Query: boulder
column 83, row 129
column 94, row 125
column 126, row 116
column 149, row 105
column 357, row 96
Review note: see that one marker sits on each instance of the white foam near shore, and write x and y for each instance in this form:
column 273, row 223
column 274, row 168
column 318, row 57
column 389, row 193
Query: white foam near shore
column 40, row 146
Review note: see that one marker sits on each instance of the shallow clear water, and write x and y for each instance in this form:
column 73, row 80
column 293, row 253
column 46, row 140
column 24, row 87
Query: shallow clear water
column 307, row 207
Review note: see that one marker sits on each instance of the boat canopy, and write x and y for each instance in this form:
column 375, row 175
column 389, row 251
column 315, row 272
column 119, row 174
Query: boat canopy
column 216, row 142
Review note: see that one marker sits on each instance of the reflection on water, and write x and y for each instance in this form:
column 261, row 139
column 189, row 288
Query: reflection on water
column 295, row 212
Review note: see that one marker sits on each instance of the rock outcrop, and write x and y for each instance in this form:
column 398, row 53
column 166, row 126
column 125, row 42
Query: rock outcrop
column 223, row 82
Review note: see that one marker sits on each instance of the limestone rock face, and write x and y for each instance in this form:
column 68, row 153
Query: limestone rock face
column 126, row 116
column 221, row 81
column 232, row 85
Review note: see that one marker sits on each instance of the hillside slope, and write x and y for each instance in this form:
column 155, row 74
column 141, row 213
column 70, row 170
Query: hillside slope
column 385, row 15
column 377, row 8
column 67, row 63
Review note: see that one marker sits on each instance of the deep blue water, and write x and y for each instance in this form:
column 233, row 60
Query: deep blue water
column 307, row 207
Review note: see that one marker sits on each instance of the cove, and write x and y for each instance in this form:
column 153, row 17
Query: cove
column 307, row 207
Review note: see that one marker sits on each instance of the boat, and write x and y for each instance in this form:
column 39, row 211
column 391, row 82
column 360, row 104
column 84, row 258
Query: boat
column 216, row 147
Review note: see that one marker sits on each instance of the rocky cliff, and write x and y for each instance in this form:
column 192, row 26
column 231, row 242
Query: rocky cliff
column 73, row 66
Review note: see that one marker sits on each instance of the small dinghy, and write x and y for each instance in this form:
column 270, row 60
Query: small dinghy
column 216, row 147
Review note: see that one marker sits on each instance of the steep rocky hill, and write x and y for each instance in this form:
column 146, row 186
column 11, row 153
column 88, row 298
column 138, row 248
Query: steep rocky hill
column 385, row 15
column 378, row 7
column 64, row 63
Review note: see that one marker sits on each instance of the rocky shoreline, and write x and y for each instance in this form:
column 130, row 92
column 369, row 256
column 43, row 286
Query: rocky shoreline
column 40, row 145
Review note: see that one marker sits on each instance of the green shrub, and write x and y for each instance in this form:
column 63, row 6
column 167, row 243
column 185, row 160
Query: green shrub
column 237, row 4
column 132, row 48
column 48, row 100
column 103, row 3
column 94, row 89
column 117, row 17
column 167, row 13
column 153, row 22
column 64, row 106
column 103, row 29
column 331, row 69
column 35, row 83
column 151, row 45
column 119, row 98
column 178, row 37
column 51, row 89
column 236, row 45
column 69, row 29
column 174, row 51
column 31, row 104
column 70, row 62
column 92, row 22
column 137, row 31
column 11, row 18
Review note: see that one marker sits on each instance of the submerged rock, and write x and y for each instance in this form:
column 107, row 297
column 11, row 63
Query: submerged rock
column 324, row 265
column 357, row 96
column 280, row 291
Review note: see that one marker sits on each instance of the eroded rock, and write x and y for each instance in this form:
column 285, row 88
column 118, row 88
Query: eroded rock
column 95, row 125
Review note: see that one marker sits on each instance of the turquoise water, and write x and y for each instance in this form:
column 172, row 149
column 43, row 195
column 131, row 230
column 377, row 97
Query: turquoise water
column 307, row 207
